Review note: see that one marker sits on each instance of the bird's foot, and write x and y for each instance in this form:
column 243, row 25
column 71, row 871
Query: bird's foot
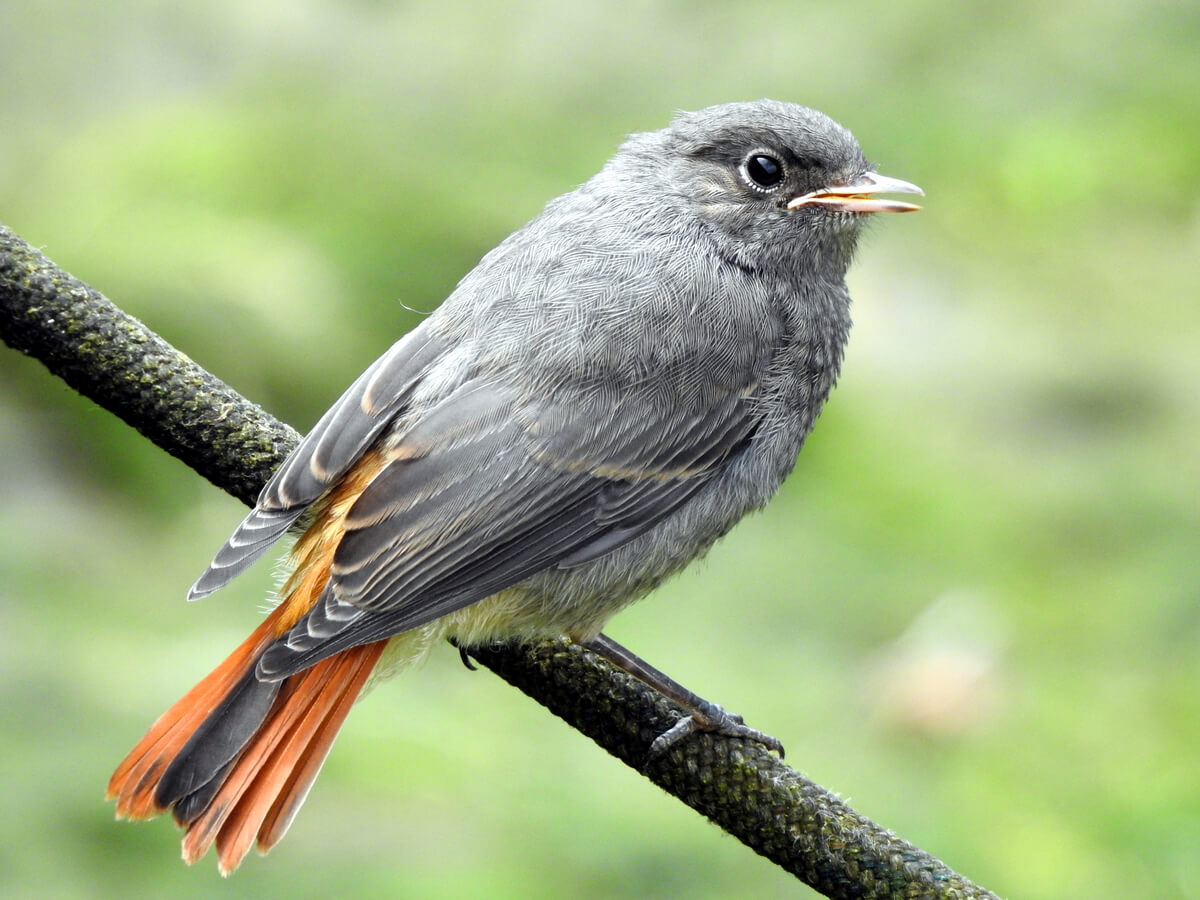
column 713, row 719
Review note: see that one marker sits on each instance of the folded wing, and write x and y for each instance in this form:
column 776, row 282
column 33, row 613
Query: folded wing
column 491, row 487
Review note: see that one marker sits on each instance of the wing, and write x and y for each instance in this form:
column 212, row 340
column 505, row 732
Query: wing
column 336, row 442
column 490, row 487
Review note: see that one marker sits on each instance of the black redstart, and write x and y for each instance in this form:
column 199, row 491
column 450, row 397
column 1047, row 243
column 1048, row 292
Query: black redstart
column 604, row 396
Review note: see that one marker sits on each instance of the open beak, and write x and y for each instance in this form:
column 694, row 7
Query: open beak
column 856, row 196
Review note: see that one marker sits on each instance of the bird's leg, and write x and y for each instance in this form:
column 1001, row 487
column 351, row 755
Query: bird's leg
column 705, row 716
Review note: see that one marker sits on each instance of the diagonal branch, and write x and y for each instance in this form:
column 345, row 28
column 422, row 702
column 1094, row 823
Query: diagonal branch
column 116, row 361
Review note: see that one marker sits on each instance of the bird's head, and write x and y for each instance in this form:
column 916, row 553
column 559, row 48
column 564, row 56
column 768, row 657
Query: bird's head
column 776, row 184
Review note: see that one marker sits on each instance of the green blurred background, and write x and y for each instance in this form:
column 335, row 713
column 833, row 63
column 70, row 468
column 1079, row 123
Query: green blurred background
column 973, row 609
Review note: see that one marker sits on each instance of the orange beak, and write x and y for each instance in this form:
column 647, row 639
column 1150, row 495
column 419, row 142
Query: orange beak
column 856, row 196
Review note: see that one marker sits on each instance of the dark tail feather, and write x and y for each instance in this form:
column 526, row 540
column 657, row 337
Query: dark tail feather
column 193, row 777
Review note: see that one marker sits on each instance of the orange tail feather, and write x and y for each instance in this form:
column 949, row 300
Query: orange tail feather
column 289, row 800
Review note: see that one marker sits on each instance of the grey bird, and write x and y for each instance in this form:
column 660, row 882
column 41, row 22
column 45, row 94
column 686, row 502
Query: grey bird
column 604, row 396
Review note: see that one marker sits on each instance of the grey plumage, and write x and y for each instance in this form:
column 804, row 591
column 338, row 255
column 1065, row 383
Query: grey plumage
column 605, row 395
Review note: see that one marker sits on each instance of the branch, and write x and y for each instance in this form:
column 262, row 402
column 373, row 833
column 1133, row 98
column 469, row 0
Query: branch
column 116, row 361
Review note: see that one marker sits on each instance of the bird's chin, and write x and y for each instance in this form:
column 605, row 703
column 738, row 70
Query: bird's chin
column 833, row 234
column 839, row 223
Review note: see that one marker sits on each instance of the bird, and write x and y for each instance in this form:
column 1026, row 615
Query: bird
column 604, row 396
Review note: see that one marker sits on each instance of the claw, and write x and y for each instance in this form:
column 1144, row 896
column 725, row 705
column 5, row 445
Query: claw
column 463, row 655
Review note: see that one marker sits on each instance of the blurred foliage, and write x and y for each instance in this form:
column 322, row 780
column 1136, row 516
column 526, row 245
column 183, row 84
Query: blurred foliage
column 973, row 610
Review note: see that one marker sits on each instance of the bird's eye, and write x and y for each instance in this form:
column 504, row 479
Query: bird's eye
column 763, row 171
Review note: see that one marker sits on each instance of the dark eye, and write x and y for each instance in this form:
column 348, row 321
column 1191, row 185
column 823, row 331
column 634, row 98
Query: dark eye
column 763, row 170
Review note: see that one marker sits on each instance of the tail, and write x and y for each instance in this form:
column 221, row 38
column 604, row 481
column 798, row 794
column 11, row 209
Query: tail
column 235, row 758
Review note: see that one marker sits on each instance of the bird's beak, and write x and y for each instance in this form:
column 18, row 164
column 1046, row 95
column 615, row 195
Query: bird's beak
column 856, row 196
